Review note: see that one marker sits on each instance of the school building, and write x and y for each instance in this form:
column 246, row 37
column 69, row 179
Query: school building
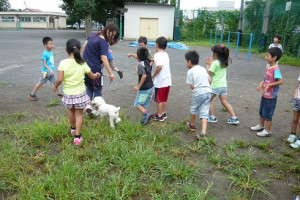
column 35, row 19
column 148, row 19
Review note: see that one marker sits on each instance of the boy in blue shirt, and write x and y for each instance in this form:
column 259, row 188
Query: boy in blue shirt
column 47, row 69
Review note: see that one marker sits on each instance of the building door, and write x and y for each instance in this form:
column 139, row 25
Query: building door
column 149, row 27
column 51, row 23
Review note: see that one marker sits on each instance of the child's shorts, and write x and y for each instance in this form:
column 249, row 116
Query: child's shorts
column 161, row 94
column 79, row 101
column 222, row 91
column 45, row 76
column 267, row 108
column 201, row 101
column 143, row 98
column 296, row 104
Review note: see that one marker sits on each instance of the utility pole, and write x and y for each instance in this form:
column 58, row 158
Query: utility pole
column 263, row 37
column 176, row 35
column 241, row 21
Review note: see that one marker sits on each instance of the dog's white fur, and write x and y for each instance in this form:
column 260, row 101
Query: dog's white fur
column 106, row 109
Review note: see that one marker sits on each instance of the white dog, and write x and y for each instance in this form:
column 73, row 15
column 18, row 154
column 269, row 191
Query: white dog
column 106, row 109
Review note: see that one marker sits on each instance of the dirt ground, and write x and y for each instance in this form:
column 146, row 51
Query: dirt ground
column 20, row 67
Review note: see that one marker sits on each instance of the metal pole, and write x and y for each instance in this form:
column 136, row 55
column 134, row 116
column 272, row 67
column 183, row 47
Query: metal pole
column 237, row 44
column 210, row 37
column 121, row 36
column 250, row 44
column 298, row 56
column 228, row 39
column 216, row 32
column 221, row 38
column 241, row 19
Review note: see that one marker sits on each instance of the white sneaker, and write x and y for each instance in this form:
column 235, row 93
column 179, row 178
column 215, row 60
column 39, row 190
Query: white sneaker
column 296, row 144
column 292, row 138
column 257, row 128
column 263, row 133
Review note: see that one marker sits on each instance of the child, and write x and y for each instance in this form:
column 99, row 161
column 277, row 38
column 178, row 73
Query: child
column 142, row 42
column 145, row 87
column 276, row 40
column 199, row 81
column 295, row 142
column 47, row 69
column 162, row 79
column 217, row 70
column 270, row 87
column 72, row 72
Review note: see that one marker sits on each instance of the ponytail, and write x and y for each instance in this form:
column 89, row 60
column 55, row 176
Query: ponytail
column 73, row 46
column 222, row 53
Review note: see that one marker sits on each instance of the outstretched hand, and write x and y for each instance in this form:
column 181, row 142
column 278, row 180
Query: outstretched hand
column 208, row 61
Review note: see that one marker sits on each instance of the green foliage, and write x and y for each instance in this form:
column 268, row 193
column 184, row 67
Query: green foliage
column 4, row 5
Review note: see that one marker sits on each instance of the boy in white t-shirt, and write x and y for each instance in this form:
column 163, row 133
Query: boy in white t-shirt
column 162, row 79
column 276, row 40
column 199, row 81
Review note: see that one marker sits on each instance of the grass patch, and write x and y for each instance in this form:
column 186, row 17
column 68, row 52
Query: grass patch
column 53, row 102
column 2, row 83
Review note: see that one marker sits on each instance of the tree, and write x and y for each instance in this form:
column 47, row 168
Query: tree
column 4, row 5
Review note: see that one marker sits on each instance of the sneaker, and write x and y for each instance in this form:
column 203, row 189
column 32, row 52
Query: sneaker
column 201, row 136
column 33, row 97
column 155, row 117
column 165, row 116
column 263, row 133
column 77, row 141
column 292, row 138
column 257, row 128
column 212, row 120
column 162, row 118
column 296, row 144
column 191, row 127
column 59, row 95
column 120, row 74
column 73, row 132
column 233, row 121
column 147, row 118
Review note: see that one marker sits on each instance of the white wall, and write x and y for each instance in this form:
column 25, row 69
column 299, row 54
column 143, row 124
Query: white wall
column 165, row 15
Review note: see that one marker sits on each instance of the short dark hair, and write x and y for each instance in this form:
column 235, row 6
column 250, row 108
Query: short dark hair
column 46, row 40
column 161, row 42
column 278, row 36
column 275, row 51
column 193, row 56
column 142, row 53
column 142, row 39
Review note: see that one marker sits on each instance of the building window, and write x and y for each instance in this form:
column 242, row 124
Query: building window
column 25, row 19
column 8, row 19
column 39, row 19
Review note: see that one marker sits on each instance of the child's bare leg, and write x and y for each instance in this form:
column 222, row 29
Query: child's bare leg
column 164, row 107
column 295, row 122
column 36, row 87
column 193, row 117
column 261, row 122
column 79, row 120
column 159, row 107
column 211, row 111
column 268, row 126
column 204, row 125
column 141, row 109
column 225, row 103
column 72, row 117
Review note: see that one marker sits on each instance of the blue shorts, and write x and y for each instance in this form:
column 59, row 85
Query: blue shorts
column 267, row 108
column 47, row 77
column 201, row 101
column 222, row 91
column 143, row 98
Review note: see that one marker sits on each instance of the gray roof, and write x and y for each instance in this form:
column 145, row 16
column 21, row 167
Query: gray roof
column 147, row 4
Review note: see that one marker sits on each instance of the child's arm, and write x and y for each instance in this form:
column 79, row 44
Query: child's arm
column 58, row 81
column 94, row 76
column 260, row 86
column 132, row 55
column 107, row 67
column 296, row 91
column 158, row 69
column 278, row 82
column 45, row 65
column 136, row 88
column 208, row 62
column 209, row 80
column 192, row 86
